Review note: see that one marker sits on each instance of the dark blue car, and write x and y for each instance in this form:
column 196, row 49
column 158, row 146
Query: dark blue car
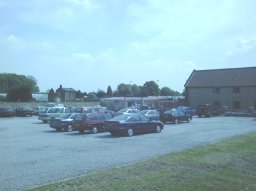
column 130, row 124
column 175, row 116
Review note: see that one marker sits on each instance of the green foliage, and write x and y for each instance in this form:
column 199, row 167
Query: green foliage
column 165, row 91
column 13, row 81
column 150, row 88
column 124, row 90
column 109, row 92
column 101, row 94
column 22, row 94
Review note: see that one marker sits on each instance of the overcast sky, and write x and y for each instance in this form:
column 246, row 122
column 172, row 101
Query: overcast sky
column 90, row 44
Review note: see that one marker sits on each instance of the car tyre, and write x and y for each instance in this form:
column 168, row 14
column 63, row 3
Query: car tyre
column 58, row 129
column 69, row 128
column 94, row 130
column 158, row 129
column 130, row 132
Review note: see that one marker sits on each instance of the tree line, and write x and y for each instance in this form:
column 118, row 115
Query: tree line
column 150, row 88
column 18, row 87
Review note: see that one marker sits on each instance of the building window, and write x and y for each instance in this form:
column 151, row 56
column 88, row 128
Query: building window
column 236, row 105
column 216, row 90
column 236, row 90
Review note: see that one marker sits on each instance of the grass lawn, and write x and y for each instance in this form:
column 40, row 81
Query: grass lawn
column 228, row 165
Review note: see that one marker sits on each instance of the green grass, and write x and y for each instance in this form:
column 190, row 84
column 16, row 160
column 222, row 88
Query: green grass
column 228, row 165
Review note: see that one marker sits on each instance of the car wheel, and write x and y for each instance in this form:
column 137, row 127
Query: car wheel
column 158, row 129
column 189, row 119
column 94, row 130
column 58, row 129
column 69, row 128
column 176, row 121
column 130, row 132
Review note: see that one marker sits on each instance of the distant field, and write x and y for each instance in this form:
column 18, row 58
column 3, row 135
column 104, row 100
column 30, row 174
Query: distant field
column 228, row 165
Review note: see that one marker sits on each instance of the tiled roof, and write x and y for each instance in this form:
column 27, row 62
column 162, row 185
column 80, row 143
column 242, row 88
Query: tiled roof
column 223, row 77
column 68, row 89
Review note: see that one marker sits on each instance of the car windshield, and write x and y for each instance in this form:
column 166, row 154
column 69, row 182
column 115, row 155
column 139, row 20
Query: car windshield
column 122, row 110
column 79, row 117
column 121, row 117
column 170, row 111
column 143, row 112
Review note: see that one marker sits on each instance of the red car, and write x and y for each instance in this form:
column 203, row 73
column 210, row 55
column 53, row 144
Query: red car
column 93, row 122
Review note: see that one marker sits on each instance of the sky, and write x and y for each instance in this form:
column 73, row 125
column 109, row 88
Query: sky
column 91, row 44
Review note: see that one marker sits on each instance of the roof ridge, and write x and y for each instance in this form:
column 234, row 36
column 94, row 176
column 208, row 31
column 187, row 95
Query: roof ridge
column 249, row 67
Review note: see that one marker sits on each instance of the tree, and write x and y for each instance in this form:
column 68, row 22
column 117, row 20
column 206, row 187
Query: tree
column 150, row 88
column 10, row 81
column 136, row 90
column 101, row 93
column 165, row 91
column 22, row 94
column 124, row 90
column 109, row 92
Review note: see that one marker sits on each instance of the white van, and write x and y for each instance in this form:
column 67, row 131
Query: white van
column 52, row 112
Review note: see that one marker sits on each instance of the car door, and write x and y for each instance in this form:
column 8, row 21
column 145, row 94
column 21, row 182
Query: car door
column 146, row 125
column 135, row 123
column 182, row 116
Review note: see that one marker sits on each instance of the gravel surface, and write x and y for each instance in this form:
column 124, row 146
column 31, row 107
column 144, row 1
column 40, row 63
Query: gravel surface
column 32, row 154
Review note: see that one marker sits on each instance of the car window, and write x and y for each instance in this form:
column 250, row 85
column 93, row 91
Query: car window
column 143, row 111
column 59, row 110
column 135, row 118
column 143, row 118
column 107, row 116
column 91, row 116
column 151, row 113
column 52, row 110
column 181, row 113
column 100, row 117
column 67, row 110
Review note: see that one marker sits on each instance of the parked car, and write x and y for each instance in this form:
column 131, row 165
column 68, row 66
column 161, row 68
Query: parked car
column 51, row 112
column 7, row 112
column 207, row 110
column 187, row 110
column 175, row 116
column 151, row 114
column 130, row 124
column 63, row 122
column 24, row 111
column 93, row 122
column 97, row 109
column 38, row 109
column 126, row 111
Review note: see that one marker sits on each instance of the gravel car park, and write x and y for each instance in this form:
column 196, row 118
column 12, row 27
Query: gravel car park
column 33, row 154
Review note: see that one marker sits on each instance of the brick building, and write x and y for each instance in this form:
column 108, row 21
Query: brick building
column 232, row 87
